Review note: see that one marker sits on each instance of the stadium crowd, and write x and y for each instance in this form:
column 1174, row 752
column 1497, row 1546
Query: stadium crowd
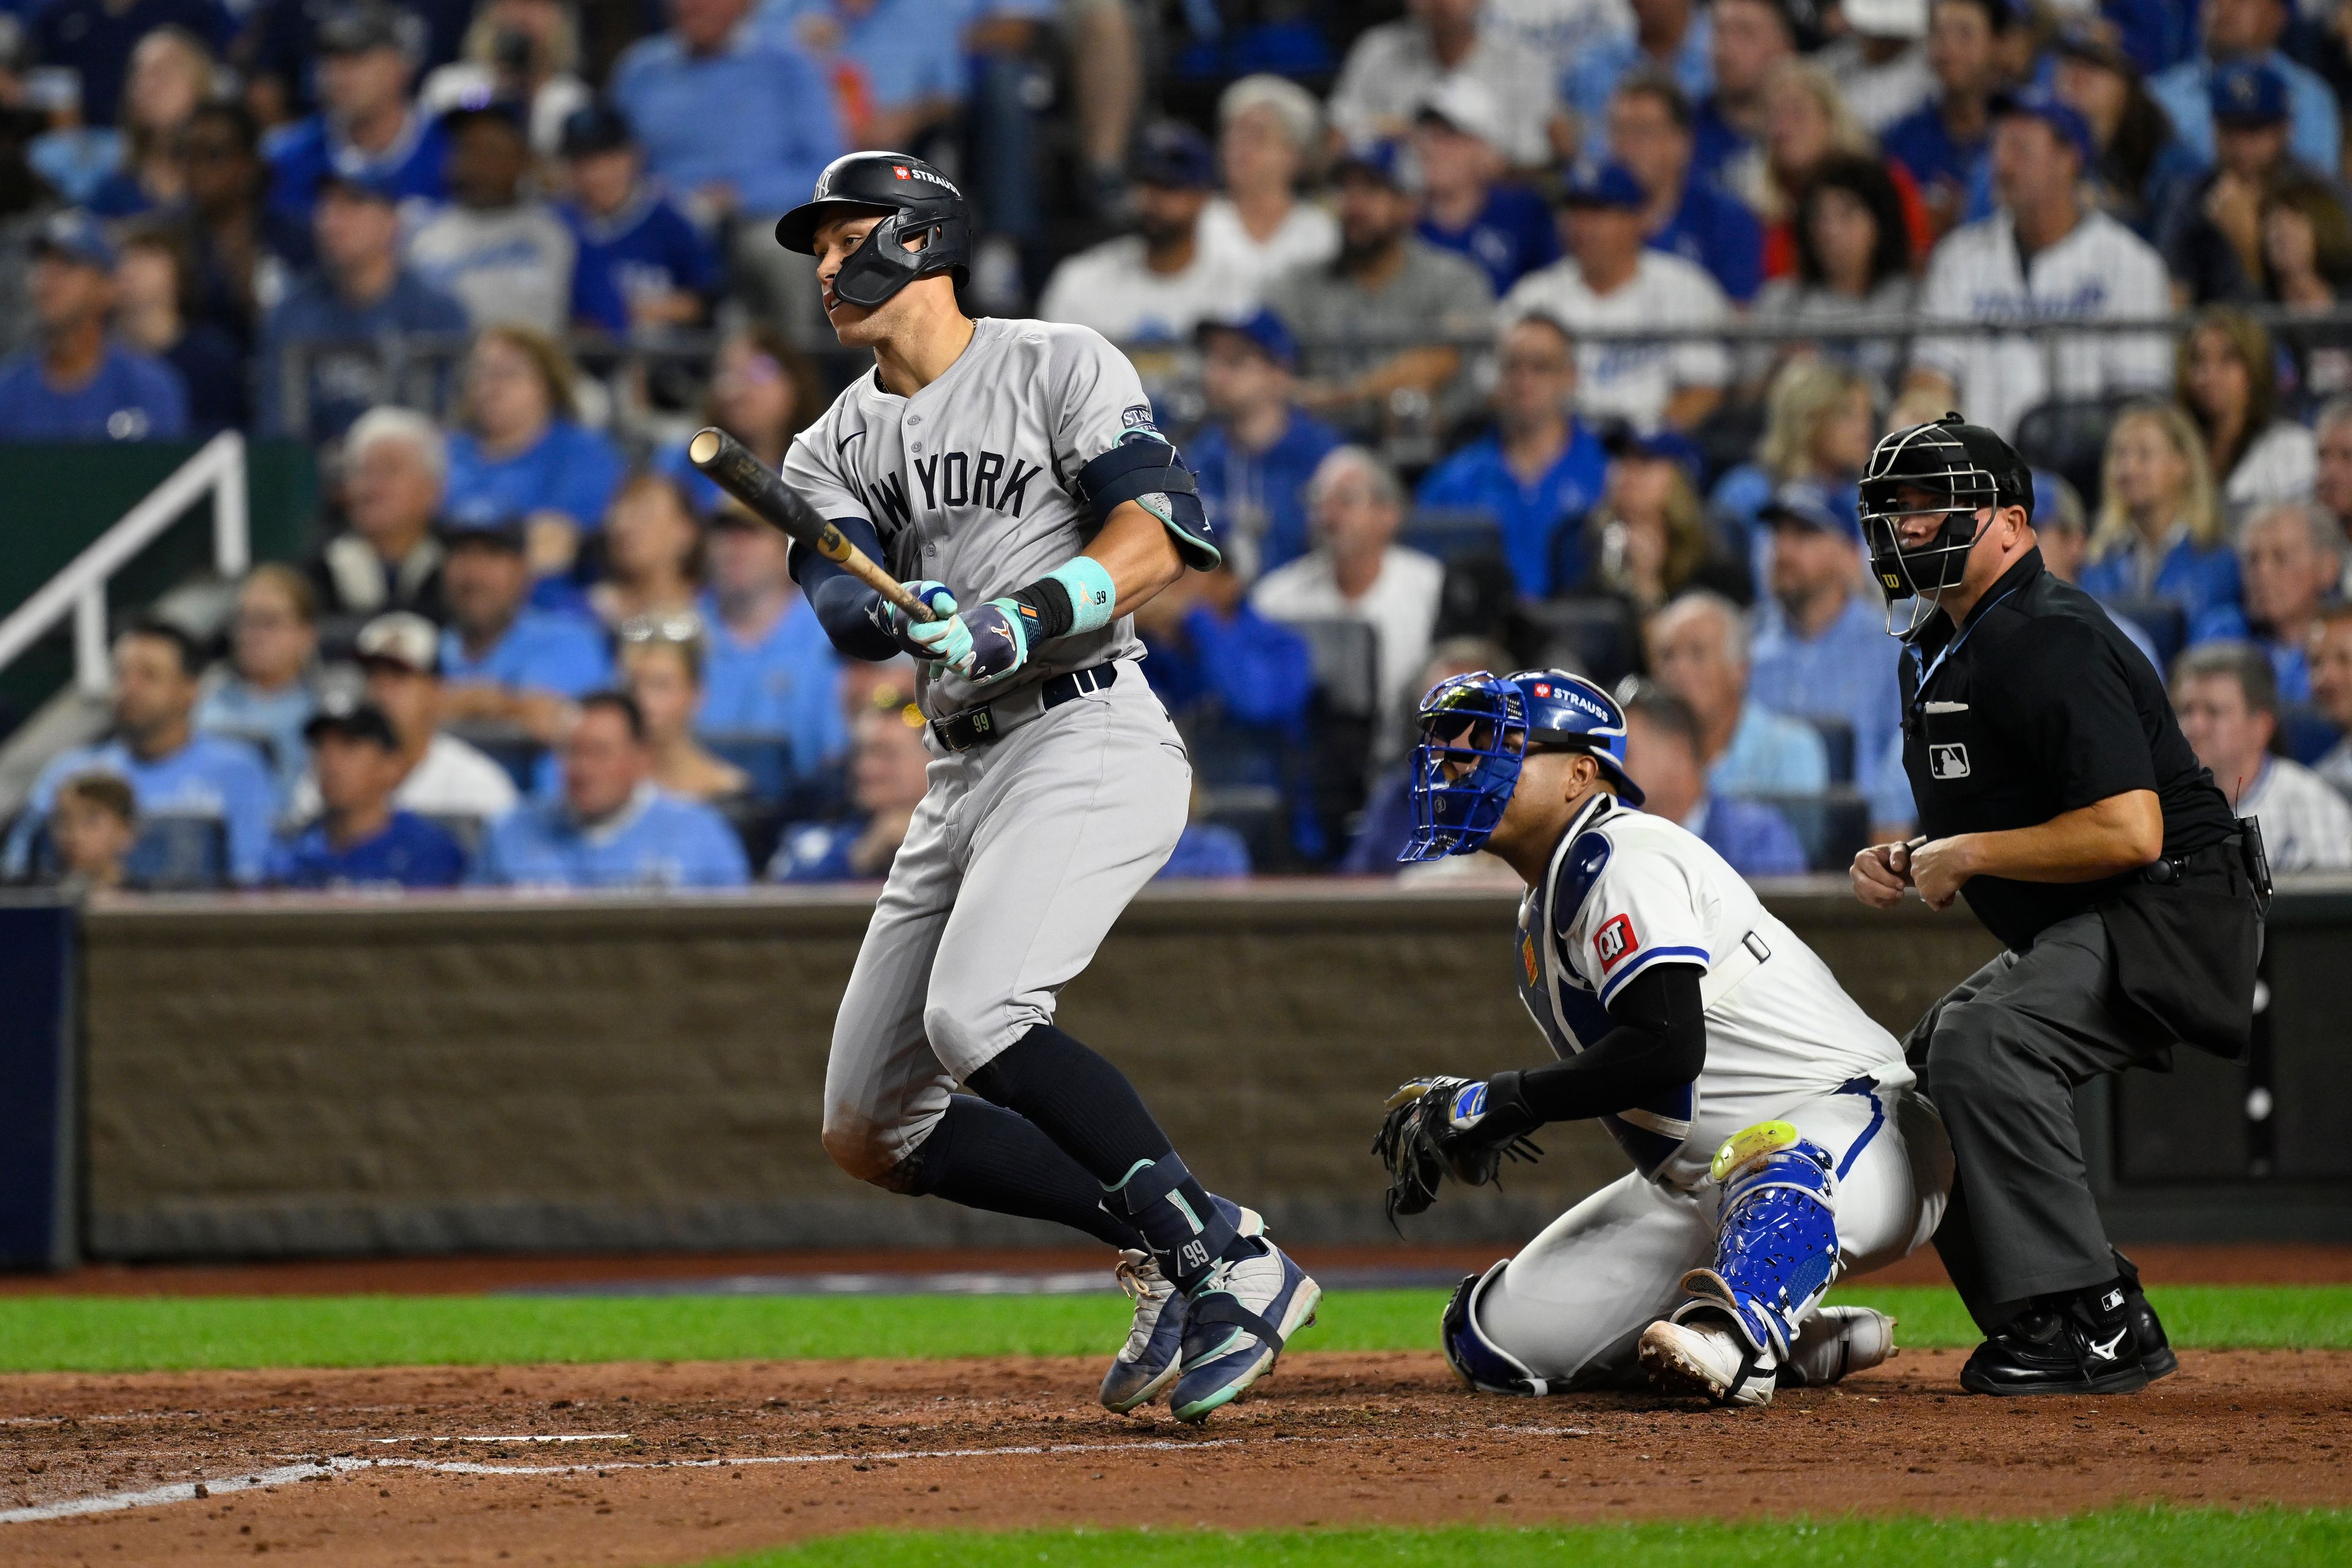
column 1497, row 333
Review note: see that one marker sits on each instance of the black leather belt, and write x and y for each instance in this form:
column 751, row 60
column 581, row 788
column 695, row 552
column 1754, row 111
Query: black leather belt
column 2174, row 868
column 981, row 726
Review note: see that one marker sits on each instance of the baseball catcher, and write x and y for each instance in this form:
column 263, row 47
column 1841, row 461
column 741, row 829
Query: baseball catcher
column 1777, row 1141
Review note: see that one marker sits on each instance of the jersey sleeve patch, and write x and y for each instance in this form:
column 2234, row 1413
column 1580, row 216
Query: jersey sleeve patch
column 1615, row 941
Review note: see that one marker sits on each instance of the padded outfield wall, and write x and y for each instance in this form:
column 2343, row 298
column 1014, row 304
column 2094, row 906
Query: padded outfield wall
column 275, row 1077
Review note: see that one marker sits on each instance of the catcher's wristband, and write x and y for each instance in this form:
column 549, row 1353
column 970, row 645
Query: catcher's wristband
column 1078, row 595
column 1508, row 1115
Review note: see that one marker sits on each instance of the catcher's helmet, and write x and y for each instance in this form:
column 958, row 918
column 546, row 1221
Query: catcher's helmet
column 1963, row 469
column 1476, row 729
column 916, row 201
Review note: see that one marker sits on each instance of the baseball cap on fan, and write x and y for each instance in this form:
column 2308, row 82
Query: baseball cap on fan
column 1801, row 503
column 2249, row 94
column 402, row 641
column 2061, row 116
column 1175, row 157
column 1887, row 18
column 1464, row 104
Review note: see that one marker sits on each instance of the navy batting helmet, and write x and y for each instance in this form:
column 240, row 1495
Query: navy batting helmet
column 914, row 201
column 1476, row 729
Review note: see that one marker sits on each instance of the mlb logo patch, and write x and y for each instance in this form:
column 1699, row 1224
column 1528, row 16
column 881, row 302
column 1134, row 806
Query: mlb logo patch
column 1948, row 762
column 1613, row 941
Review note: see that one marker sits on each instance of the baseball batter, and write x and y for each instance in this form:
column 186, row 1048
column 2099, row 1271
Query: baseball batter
column 1778, row 1142
column 1011, row 473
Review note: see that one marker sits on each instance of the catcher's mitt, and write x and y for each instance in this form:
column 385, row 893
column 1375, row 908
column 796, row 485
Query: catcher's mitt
column 1458, row 1127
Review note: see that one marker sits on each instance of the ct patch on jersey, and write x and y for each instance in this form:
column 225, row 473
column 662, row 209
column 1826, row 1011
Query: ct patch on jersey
column 1948, row 762
column 1613, row 941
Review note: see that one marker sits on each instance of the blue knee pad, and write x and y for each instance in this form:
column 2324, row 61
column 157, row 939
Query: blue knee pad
column 1484, row 1366
column 1776, row 1249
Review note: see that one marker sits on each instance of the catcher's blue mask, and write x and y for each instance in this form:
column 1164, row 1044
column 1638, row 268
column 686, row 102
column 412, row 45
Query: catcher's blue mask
column 1475, row 732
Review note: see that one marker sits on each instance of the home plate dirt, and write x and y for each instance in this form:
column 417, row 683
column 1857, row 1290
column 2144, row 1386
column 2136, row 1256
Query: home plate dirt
column 671, row 1463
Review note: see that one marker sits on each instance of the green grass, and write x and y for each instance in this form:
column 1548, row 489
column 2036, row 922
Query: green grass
column 42, row 1333
column 2118, row 1538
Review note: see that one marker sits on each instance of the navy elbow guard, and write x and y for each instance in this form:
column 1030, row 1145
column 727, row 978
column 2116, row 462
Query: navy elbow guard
column 1147, row 471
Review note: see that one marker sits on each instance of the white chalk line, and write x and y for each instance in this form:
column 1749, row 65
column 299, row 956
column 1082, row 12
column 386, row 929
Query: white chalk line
column 185, row 1492
column 531, row 1437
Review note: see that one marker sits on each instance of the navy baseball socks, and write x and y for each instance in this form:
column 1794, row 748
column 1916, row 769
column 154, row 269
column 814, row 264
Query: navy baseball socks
column 986, row 1157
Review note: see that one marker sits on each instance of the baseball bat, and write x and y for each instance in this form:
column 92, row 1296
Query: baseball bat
column 730, row 465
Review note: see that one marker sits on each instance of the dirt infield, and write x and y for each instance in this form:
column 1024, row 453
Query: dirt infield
column 665, row 1464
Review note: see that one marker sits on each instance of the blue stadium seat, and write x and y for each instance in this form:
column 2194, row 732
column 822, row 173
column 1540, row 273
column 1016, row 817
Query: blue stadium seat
column 178, row 852
column 2306, row 734
column 1452, row 533
column 766, row 758
column 1837, row 736
column 2161, row 619
column 1834, row 826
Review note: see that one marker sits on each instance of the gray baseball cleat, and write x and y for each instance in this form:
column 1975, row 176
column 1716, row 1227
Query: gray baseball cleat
column 1153, row 1356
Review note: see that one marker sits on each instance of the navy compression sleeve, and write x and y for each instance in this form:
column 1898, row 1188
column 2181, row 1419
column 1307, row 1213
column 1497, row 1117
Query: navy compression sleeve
column 845, row 605
column 1659, row 1045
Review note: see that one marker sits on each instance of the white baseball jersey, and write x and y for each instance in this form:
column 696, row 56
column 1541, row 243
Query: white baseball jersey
column 967, row 482
column 1632, row 380
column 2100, row 269
column 1625, row 891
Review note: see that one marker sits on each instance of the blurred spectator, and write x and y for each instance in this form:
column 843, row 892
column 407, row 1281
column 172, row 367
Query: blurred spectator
column 525, row 52
column 2250, row 30
column 898, row 64
column 2331, row 688
column 266, row 694
column 1154, row 286
column 886, row 780
column 2062, row 531
column 768, row 667
column 2333, row 488
column 612, row 827
column 1648, row 542
column 1211, row 649
column 2140, row 163
column 362, row 839
column 1821, row 647
column 279, row 47
column 1685, row 213
column 1750, row 39
column 2307, row 267
column 1819, row 425
column 2040, row 258
column 2210, row 234
column 98, row 40
column 1698, row 650
column 1879, row 65
column 1662, row 753
column 661, row 667
column 520, row 452
column 731, row 122
column 1944, row 143
column 504, row 662
column 395, row 464
column 1388, row 812
column 1670, row 37
column 2289, row 557
column 2228, row 709
column 2161, row 534
column 1538, row 469
column 439, row 775
column 92, row 826
column 1205, row 850
column 1390, row 68
column 653, row 554
column 2226, row 375
column 1359, row 572
column 1385, row 290
column 1613, row 281
column 638, row 266
column 1269, row 142
column 366, row 130
column 77, row 382
column 360, row 299
column 762, row 393
column 244, row 253
column 1853, row 265
column 1807, row 124
column 151, row 293
column 156, row 749
column 172, row 74
column 1257, row 450
column 1465, row 207
column 507, row 259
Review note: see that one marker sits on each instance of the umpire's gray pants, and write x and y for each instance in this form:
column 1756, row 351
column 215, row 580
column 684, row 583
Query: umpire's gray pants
column 1020, row 856
column 2001, row 1055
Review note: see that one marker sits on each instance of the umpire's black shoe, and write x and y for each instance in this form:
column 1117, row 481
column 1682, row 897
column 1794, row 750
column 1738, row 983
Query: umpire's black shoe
column 2082, row 1343
column 2147, row 1332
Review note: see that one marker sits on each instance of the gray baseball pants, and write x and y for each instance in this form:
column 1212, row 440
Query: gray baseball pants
column 1019, row 860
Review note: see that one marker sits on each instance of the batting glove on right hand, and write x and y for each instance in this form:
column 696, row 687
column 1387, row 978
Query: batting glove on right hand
column 944, row 638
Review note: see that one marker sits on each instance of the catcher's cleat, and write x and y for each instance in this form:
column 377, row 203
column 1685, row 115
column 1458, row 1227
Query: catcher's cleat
column 1152, row 1356
column 1235, row 1326
column 1701, row 1360
column 1836, row 1341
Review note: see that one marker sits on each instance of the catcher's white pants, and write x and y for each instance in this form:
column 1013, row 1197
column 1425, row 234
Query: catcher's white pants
column 1571, row 1305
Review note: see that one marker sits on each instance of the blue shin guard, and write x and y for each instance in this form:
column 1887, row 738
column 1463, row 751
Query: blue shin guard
column 1776, row 1250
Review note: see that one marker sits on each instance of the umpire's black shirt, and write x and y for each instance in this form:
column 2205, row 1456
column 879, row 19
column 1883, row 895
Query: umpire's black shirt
column 2039, row 706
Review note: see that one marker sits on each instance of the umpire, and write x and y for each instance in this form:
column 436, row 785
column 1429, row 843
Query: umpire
column 2057, row 795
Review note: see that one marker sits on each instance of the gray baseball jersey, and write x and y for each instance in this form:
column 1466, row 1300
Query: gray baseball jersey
column 968, row 482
